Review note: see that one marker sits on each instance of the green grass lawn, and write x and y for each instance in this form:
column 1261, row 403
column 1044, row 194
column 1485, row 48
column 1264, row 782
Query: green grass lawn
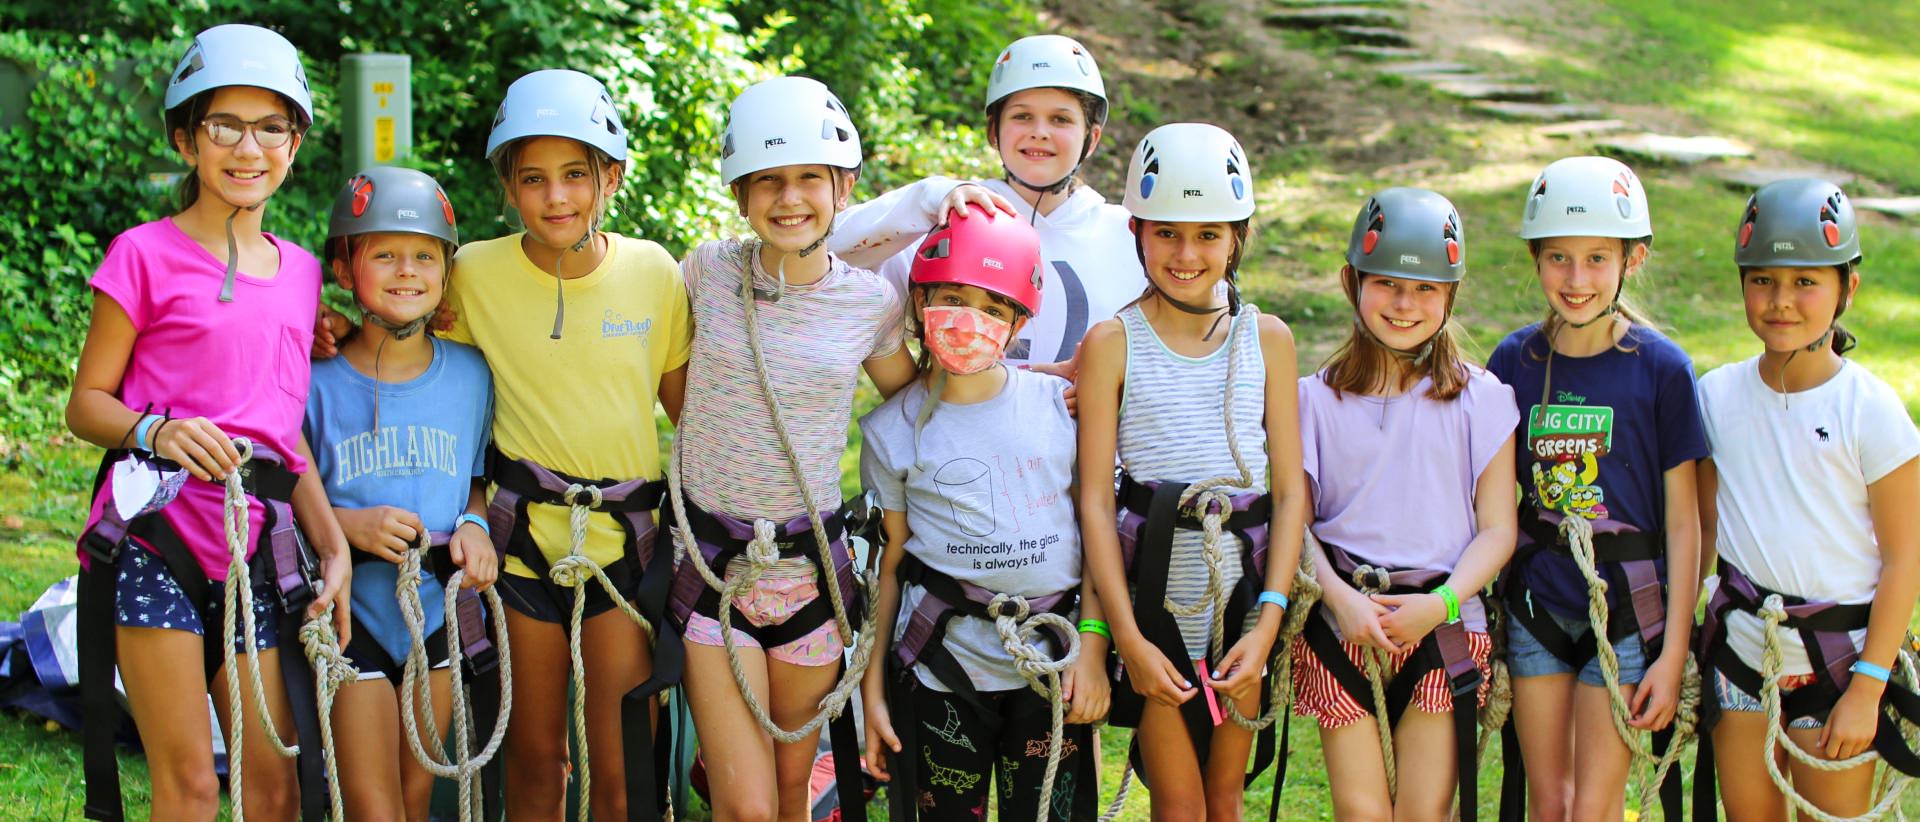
column 1834, row 82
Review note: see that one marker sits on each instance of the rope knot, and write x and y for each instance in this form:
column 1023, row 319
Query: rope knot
column 1007, row 606
column 1370, row 580
column 572, row 571
column 1773, row 611
column 764, row 550
column 580, row 494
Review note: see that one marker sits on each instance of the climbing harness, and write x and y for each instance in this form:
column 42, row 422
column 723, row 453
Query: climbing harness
column 287, row 560
column 1445, row 649
column 1825, row 629
column 519, row 483
column 466, row 641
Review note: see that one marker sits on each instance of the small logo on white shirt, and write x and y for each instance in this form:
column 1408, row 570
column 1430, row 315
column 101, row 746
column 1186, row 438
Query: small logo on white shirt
column 1822, row 431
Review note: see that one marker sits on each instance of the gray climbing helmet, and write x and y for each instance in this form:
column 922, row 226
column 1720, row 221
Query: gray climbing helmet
column 241, row 55
column 557, row 103
column 389, row 199
column 1410, row 233
column 1800, row 223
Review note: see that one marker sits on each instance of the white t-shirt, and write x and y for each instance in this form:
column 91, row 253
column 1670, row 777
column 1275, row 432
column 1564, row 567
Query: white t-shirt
column 1793, row 476
column 1091, row 267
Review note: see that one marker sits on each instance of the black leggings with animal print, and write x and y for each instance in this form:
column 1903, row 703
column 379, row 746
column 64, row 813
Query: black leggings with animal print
column 962, row 751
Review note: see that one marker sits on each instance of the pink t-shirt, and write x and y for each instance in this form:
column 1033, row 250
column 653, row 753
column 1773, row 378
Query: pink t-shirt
column 243, row 365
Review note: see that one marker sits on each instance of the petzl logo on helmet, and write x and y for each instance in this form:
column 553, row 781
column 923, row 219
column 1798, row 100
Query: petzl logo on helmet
column 1042, row 64
column 1783, row 245
column 406, row 214
column 774, row 141
column 1191, row 192
column 1409, row 259
column 1574, row 209
column 546, row 112
column 989, row 262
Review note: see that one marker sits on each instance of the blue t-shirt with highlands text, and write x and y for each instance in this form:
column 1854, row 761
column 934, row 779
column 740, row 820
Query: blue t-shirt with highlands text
column 1598, row 444
column 429, row 448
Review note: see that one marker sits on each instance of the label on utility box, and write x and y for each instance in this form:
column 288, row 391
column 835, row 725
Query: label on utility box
column 383, row 139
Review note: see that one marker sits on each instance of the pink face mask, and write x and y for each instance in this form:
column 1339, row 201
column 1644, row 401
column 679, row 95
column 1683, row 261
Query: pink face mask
column 965, row 340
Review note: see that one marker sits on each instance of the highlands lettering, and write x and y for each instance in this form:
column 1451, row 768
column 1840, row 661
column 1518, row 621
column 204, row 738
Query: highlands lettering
column 612, row 325
column 397, row 451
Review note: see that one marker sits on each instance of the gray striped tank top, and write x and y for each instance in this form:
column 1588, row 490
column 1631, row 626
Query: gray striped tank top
column 1172, row 427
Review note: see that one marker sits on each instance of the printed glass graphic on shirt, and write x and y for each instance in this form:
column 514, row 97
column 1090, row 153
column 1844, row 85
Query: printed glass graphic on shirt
column 968, row 486
column 1567, row 442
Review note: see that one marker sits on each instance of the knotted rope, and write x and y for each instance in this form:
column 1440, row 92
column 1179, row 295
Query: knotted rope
column 331, row 670
column 1773, row 612
column 417, row 688
column 1371, row 582
column 1579, row 535
column 576, row 570
column 238, row 606
column 1019, row 630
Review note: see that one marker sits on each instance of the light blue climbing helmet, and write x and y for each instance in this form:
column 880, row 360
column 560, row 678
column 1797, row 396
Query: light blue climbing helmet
column 557, row 103
column 237, row 54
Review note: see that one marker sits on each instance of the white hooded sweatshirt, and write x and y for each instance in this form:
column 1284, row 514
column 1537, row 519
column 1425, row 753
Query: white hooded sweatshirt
column 1092, row 269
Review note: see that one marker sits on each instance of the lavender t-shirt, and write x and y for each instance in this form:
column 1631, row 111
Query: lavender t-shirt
column 243, row 365
column 1393, row 478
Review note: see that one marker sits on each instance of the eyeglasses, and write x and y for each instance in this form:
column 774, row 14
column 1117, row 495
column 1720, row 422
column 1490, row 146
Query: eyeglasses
column 272, row 131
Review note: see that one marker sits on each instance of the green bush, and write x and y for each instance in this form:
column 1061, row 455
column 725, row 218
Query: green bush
column 90, row 161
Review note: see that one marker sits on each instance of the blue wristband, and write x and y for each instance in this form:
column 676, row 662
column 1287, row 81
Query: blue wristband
column 1865, row 668
column 1274, row 597
column 475, row 519
column 140, row 430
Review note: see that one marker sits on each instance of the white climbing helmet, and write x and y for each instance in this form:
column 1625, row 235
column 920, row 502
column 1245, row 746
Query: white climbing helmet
column 1047, row 61
column 1189, row 173
column 237, row 54
column 557, row 103
column 1586, row 197
column 787, row 121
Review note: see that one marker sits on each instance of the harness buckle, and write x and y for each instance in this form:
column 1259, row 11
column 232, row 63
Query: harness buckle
column 99, row 548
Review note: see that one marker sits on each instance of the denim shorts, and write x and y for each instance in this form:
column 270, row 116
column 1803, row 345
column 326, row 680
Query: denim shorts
column 1527, row 657
column 146, row 596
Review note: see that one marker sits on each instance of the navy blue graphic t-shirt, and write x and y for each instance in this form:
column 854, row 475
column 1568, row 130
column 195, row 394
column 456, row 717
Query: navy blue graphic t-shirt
column 1598, row 443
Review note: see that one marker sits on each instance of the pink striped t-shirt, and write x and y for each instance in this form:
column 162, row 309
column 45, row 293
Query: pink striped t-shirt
column 243, row 365
column 813, row 340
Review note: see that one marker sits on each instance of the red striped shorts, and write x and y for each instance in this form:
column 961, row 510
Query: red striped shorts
column 1317, row 694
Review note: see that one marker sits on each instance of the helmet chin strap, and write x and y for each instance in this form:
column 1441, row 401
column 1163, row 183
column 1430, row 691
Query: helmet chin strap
column 1232, row 307
column 1056, row 187
column 233, row 250
column 559, row 282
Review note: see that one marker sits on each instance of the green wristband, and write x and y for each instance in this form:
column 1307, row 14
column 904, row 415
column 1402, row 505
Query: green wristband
column 1453, row 603
column 1094, row 626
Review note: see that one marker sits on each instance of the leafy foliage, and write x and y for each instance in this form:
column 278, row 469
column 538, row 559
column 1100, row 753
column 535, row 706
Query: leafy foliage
column 89, row 160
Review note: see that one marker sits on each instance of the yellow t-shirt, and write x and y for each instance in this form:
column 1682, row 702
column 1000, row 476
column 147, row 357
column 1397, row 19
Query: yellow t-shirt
column 583, row 404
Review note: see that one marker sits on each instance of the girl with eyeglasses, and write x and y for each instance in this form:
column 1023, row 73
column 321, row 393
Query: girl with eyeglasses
column 199, row 336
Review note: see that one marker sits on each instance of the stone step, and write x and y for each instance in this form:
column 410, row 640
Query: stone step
column 1380, row 53
column 1539, row 112
column 1482, row 87
column 1373, row 36
column 1748, row 178
column 1667, row 148
column 1580, row 128
column 1319, row 17
column 1908, row 207
column 1411, row 68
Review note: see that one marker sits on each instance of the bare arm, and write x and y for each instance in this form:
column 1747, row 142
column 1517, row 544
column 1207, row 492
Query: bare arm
column 891, row 372
column 1684, row 556
column 1288, row 482
column 1894, row 503
column 1706, row 482
column 96, row 414
column 1102, row 372
column 881, row 738
column 673, row 393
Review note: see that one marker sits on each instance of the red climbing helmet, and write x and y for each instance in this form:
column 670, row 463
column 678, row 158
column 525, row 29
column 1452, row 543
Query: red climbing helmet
column 1000, row 254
